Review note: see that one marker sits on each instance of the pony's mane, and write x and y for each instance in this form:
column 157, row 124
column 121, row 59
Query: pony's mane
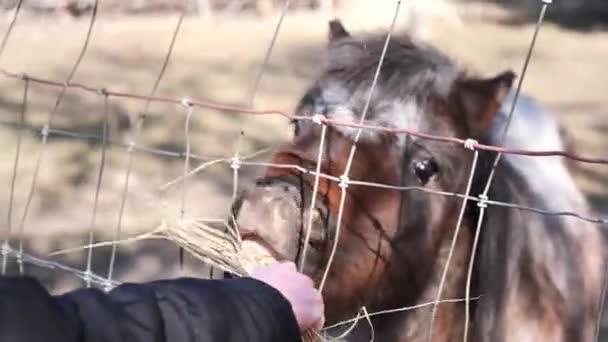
column 411, row 75
column 516, row 244
column 532, row 127
column 409, row 68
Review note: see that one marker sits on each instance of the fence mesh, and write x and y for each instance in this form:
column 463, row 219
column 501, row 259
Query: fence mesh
column 191, row 107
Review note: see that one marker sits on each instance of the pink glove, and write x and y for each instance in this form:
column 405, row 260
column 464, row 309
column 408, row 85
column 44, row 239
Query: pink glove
column 306, row 301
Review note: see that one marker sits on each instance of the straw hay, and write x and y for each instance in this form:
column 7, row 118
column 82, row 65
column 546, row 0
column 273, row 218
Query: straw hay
column 223, row 249
column 220, row 247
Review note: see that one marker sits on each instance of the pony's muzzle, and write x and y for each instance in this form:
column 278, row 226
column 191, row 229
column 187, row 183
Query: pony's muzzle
column 270, row 217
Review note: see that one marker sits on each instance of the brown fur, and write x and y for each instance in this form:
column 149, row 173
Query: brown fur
column 539, row 276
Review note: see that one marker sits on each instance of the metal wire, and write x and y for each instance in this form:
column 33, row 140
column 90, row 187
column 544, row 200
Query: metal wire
column 137, row 131
column 344, row 178
column 10, row 27
column 236, row 162
column 332, row 122
column 18, row 149
column 243, row 161
column 182, row 211
column 109, row 142
column 539, row 22
column 102, row 164
column 273, row 41
column 189, row 110
column 43, row 146
column 30, row 259
column 313, row 198
column 402, row 309
column 453, row 245
column 9, row 218
column 600, row 310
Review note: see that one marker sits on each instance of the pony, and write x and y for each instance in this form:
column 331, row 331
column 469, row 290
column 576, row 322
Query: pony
column 534, row 278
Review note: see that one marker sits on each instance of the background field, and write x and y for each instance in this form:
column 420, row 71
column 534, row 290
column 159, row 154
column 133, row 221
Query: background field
column 218, row 60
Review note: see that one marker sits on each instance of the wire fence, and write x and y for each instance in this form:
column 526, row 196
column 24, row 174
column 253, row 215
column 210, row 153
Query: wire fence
column 237, row 161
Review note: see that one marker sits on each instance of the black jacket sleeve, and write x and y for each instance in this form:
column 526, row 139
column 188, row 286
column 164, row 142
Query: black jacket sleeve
column 177, row 310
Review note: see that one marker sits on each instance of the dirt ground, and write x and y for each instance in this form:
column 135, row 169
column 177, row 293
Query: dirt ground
column 219, row 61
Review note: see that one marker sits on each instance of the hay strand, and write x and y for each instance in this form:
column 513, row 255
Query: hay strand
column 220, row 247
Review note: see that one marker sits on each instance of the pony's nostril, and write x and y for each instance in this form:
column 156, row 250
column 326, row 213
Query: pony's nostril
column 270, row 215
column 247, row 217
column 314, row 218
column 246, row 230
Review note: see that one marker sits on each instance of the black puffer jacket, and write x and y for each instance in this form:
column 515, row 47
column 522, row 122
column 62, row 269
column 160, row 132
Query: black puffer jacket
column 178, row 310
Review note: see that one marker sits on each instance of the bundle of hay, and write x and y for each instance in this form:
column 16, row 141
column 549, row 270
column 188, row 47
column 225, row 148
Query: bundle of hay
column 221, row 248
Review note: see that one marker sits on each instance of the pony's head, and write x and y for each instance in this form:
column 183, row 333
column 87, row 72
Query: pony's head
column 386, row 237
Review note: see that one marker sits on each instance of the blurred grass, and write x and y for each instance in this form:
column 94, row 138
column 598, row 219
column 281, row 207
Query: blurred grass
column 219, row 61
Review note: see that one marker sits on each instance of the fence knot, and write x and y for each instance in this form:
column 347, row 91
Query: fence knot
column 344, row 181
column 6, row 249
column 235, row 163
column 102, row 91
column 23, row 76
column 186, row 102
column 86, row 276
column 318, row 119
column 107, row 285
column 483, row 201
column 470, row 144
column 45, row 131
column 547, row 1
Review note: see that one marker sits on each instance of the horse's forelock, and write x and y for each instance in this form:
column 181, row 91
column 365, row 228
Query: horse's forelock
column 409, row 69
column 412, row 78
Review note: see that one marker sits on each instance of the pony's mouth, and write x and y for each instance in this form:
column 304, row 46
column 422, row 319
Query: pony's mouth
column 273, row 220
column 255, row 246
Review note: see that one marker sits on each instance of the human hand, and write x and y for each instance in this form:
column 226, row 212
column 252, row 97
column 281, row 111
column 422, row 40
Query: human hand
column 306, row 301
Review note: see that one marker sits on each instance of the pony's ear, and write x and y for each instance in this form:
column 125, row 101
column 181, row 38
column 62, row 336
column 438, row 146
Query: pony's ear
column 341, row 50
column 337, row 30
column 481, row 98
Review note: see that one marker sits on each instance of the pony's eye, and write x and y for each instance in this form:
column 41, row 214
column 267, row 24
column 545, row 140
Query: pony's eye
column 296, row 127
column 425, row 170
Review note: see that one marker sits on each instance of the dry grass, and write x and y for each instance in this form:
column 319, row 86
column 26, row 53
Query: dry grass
column 219, row 246
column 218, row 61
